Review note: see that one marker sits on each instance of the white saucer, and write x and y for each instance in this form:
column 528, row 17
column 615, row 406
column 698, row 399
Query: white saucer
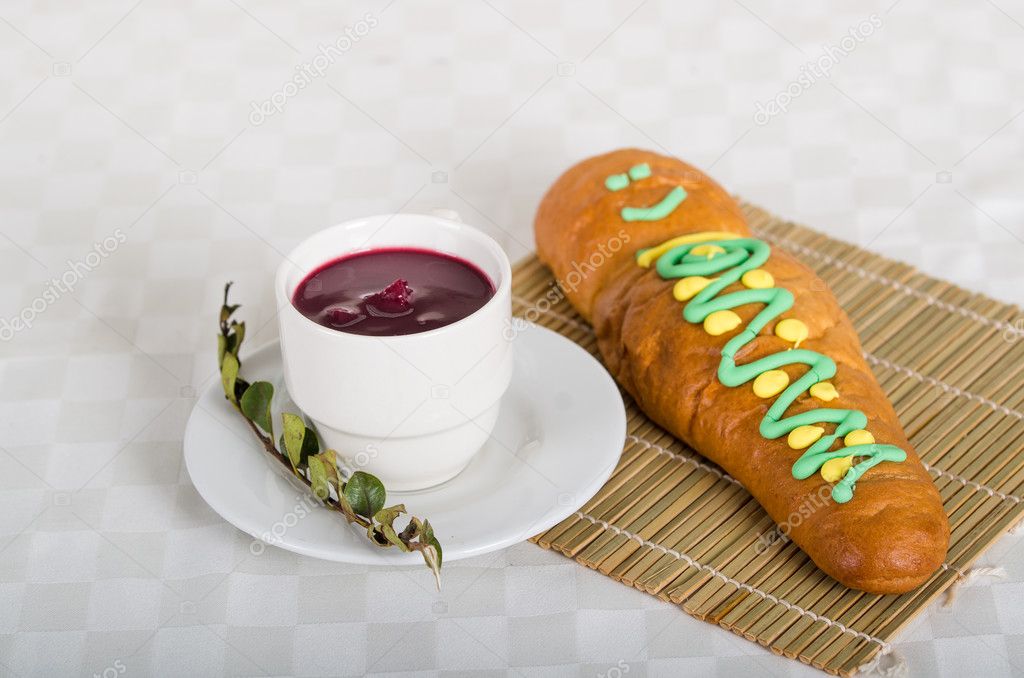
column 557, row 440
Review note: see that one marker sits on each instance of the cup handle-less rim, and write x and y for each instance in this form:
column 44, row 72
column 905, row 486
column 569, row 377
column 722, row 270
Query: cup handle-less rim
column 286, row 283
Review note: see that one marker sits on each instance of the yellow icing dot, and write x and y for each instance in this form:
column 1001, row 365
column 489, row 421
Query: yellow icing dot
column 758, row 279
column 721, row 322
column 791, row 330
column 770, row 383
column 687, row 288
column 833, row 470
column 858, row 437
column 824, row 390
column 804, row 436
column 707, row 250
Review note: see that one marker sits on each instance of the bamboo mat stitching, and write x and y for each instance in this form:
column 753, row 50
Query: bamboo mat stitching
column 729, row 580
column 894, row 284
column 978, row 487
column 948, row 388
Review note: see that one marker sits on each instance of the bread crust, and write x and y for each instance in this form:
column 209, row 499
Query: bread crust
column 894, row 533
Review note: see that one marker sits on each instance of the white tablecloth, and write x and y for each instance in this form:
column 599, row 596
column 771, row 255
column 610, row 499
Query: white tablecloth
column 151, row 150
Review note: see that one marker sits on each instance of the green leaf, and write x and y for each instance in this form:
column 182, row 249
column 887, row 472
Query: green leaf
column 318, row 478
column 294, row 434
column 255, row 404
column 310, row 446
column 228, row 375
column 365, row 494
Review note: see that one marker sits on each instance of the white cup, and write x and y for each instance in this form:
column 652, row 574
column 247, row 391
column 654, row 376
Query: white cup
column 410, row 409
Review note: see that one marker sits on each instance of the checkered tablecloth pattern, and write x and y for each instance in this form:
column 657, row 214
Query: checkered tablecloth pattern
column 151, row 150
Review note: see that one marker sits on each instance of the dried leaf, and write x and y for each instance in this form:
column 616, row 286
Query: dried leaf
column 318, row 478
column 228, row 375
column 330, row 460
column 437, row 547
column 377, row 536
column 222, row 348
column 239, row 336
column 432, row 556
column 393, row 538
column 387, row 516
column 227, row 311
column 294, row 435
column 427, row 533
column 408, row 534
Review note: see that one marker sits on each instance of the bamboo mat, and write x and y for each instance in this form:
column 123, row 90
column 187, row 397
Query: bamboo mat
column 673, row 525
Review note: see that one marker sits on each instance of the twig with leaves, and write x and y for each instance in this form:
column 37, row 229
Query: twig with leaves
column 360, row 497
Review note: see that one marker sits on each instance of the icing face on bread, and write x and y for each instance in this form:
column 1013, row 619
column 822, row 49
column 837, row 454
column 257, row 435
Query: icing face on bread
column 690, row 259
column 660, row 210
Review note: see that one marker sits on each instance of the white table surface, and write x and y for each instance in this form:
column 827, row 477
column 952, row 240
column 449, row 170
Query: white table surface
column 132, row 119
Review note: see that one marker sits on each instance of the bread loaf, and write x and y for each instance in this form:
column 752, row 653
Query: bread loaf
column 739, row 350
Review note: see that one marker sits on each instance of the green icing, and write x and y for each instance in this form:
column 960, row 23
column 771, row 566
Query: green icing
column 656, row 212
column 744, row 255
column 641, row 171
column 616, row 182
